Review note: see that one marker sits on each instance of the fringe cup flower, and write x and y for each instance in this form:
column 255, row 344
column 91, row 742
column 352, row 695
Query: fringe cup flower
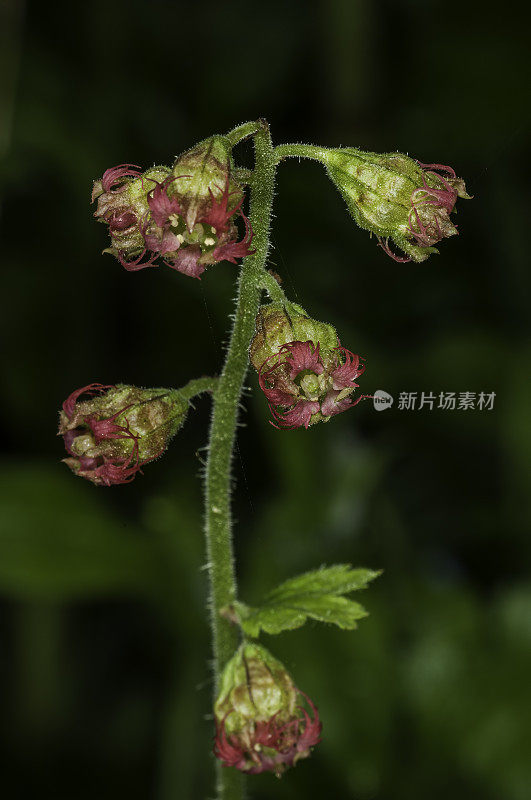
column 186, row 217
column 397, row 198
column 305, row 381
column 301, row 390
column 115, row 431
column 260, row 724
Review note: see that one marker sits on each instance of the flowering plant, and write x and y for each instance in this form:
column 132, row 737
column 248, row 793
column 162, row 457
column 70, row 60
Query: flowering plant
column 187, row 217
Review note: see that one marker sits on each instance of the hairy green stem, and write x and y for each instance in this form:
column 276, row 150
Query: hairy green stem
column 273, row 288
column 218, row 523
column 300, row 151
column 198, row 386
column 243, row 176
column 241, row 132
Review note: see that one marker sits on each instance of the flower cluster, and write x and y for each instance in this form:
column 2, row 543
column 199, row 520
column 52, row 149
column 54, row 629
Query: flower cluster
column 304, row 372
column 112, row 433
column 185, row 216
column 260, row 727
column 397, row 197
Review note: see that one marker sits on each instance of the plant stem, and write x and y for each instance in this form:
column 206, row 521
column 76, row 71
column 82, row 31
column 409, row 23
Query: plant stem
column 243, row 176
column 197, row 386
column 300, row 151
column 273, row 288
column 241, row 132
column 218, row 524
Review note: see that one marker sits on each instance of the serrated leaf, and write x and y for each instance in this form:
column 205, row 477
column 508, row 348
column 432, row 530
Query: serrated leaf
column 335, row 580
column 317, row 595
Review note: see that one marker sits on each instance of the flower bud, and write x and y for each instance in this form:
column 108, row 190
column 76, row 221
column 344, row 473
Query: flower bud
column 259, row 724
column 304, row 372
column 184, row 216
column 117, row 429
column 122, row 195
column 397, row 198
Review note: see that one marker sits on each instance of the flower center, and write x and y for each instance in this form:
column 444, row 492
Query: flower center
column 309, row 383
column 83, row 444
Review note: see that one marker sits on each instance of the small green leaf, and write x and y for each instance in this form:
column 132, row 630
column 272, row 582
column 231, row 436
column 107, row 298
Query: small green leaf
column 338, row 579
column 317, row 594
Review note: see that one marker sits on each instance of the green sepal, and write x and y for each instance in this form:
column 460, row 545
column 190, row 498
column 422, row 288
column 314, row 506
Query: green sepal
column 204, row 170
column 281, row 322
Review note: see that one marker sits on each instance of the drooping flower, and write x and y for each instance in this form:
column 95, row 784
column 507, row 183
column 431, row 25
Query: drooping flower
column 122, row 204
column 262, row 724
column 184, row 217
column 115, row 430
column 305, row 380
column 397, row 198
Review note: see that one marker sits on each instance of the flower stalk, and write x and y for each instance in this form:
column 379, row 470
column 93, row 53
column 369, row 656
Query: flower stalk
column 218, row 519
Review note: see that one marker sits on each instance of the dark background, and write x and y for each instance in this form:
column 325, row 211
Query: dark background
column 104, row 641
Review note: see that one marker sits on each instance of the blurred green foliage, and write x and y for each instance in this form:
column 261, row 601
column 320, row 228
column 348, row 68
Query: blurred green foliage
column 104, row 641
